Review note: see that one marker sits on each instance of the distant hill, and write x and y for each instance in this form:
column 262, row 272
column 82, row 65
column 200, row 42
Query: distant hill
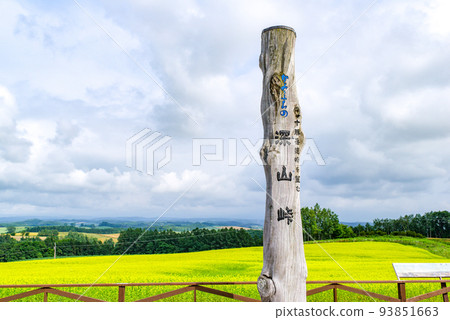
column 134, row 222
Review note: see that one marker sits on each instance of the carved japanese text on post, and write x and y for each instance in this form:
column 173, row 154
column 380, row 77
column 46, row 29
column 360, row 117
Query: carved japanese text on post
column 283, row 277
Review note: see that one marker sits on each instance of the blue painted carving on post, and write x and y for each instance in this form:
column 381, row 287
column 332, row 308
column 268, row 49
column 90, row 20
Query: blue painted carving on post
column 284, row 112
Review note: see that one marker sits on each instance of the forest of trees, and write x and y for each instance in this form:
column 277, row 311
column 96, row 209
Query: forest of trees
column 168, row 241
column 151, row 242
column 321, row 224
column 85, row 229
column 434, row 224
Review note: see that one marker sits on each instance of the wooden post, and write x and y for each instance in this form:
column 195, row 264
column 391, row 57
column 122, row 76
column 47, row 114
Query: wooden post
column 283, row 277
column 445, row 295
column 401, row 291
column 121, row 294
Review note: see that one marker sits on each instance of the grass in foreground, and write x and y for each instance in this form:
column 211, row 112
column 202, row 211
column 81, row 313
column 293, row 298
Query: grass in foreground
column 361, row 260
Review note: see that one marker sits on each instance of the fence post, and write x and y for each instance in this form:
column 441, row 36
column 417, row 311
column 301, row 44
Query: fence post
column 335, row 294
column 401, row 291
column 121, row 293
column 45, row 296
column 195, row 293
column 444, row 295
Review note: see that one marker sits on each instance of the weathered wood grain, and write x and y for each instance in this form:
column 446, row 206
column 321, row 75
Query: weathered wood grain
column 283, row 277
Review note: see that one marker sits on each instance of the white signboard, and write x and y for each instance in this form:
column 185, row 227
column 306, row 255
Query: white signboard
column 422, row 270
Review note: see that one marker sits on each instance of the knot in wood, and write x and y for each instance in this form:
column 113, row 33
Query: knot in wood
column 266, row 287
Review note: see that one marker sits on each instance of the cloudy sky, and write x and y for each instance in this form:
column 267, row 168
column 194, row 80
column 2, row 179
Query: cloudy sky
column 79, row 78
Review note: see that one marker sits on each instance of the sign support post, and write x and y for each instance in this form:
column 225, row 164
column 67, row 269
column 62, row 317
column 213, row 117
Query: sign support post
column 283, row 277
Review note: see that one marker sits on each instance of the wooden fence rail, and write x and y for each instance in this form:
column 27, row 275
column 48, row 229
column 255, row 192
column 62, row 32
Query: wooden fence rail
column 45, row 289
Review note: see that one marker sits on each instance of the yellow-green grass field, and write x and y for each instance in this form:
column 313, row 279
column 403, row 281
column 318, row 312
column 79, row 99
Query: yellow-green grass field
column 361, row 260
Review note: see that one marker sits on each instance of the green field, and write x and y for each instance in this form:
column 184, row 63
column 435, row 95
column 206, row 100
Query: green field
column 101, row 237
column 362, row 260
column 5, row 230
column 61, row 235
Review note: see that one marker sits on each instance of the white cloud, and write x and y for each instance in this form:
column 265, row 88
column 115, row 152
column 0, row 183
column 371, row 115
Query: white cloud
column 13, row 147
column 437, row 17
column 7, row 107
column 375, row 104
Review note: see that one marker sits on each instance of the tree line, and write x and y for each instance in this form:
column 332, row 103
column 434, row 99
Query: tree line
column 132, row 240
column 434, row 224
column 82, row 228
column 322, row 224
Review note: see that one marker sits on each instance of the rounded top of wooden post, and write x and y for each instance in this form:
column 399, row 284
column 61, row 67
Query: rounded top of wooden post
column 279, row 27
